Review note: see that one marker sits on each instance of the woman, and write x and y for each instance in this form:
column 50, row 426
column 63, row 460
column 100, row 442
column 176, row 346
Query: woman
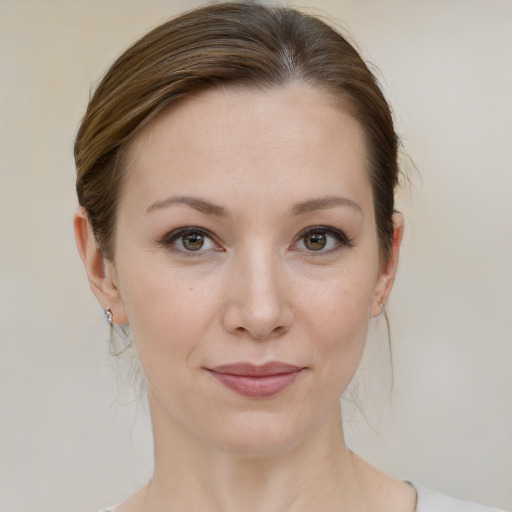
column 236, row 172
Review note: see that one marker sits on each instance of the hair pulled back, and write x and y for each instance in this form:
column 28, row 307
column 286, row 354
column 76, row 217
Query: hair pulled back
column 236, row 43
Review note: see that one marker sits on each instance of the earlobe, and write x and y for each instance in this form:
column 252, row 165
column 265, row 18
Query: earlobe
column 387, row 276
column 100, row 271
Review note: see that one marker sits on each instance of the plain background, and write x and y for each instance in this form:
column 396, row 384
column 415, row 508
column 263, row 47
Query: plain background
column 66, row 443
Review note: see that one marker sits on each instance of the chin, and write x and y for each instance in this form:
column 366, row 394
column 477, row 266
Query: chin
column 261, row 434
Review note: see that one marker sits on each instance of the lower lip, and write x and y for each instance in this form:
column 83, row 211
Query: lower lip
column 264, row 386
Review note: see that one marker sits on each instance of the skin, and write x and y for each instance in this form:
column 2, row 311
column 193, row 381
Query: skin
column 253, row 170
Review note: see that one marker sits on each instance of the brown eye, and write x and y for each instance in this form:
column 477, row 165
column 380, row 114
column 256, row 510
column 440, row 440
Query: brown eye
column 322, row 240
column 315, row 241
column 192, row 241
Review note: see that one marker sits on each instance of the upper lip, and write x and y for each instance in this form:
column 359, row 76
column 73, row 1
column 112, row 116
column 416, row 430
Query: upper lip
column 253, row 370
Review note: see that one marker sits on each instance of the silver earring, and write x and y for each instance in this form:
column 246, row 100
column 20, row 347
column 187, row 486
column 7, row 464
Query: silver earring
column 108, row 315
column 382, row 309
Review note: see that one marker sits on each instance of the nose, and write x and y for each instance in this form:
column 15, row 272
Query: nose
column 257, row 302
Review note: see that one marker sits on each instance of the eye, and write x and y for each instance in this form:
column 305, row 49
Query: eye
column 190, row 240
column 322, row 239
column 315, row 241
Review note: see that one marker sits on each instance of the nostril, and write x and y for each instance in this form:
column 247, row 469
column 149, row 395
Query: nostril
column 281, row 329
column 262, row 334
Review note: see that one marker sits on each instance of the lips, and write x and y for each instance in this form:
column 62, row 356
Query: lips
column 257, row 381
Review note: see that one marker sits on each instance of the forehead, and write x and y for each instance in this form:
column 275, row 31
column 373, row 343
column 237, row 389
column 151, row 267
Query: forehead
column 293, row 138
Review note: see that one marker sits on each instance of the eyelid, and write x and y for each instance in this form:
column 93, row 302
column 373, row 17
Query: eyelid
column 172, row 236
column 339, row 235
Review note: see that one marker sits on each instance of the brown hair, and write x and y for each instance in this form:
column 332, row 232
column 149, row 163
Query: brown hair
column 229, row 43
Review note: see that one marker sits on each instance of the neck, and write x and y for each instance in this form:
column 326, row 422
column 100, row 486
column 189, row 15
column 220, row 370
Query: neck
column 319, row 473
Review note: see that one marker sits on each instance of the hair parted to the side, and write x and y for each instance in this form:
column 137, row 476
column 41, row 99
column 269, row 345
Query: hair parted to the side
column 235, row 43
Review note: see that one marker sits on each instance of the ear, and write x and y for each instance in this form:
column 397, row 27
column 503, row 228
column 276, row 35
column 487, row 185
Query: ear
column 388, row 272
column 100, row 271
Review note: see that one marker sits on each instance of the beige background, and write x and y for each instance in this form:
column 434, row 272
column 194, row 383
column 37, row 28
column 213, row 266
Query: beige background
column 65, row 445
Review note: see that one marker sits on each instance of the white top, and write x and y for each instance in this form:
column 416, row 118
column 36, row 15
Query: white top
column 431, row 501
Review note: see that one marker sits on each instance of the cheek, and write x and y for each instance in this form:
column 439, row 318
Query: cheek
column 339, row 319
column 168, row 316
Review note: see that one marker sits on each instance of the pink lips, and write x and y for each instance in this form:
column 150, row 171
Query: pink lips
column 256, row 381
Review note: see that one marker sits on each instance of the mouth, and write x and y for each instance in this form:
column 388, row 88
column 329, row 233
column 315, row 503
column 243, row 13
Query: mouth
column 257, row 381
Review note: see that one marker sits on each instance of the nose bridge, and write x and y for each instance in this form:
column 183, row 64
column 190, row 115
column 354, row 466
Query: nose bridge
column 258, row 303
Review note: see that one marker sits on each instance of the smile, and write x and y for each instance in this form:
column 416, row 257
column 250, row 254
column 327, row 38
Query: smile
column 254, row 381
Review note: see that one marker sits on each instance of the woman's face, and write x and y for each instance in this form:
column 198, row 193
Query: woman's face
column 247, row 264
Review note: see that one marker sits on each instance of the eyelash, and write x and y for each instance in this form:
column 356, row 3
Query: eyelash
column 171, row 238
column 340, row 237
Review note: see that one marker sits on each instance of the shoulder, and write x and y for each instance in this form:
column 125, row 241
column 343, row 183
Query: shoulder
column 432, row 501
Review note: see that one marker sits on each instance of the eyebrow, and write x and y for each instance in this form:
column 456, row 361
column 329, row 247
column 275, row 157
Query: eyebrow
column 201, row 205
column 323, row 203
column 208, row 208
